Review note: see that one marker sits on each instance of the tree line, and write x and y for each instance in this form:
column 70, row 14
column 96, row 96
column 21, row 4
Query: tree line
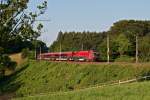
column 122, row 41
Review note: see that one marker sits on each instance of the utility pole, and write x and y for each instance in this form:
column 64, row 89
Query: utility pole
column 137, row 49
column 40, row 53
column 108, row 49
column 60, row 51
column 35, row 49
column 82, row 47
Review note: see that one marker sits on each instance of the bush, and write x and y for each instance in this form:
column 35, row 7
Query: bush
column 25, row 53
column 31, row 55
column 124, row 58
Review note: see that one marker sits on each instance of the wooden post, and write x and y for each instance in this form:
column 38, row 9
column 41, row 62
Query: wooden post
column 108, row 49
column 137, row 49
column 119, row 82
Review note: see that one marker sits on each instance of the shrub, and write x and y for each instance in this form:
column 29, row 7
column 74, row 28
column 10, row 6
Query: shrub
column 31, row 55
column 25, row 53
column 124, row 58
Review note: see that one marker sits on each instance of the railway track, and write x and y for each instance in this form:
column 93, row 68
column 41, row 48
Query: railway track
column 100, row 63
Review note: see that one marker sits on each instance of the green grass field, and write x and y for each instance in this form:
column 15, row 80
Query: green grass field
column 131, row 91
column 37, row 77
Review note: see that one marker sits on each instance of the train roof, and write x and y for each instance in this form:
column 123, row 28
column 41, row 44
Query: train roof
column 69, row 52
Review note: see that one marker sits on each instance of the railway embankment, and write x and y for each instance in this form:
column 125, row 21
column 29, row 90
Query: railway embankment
column 36, row 77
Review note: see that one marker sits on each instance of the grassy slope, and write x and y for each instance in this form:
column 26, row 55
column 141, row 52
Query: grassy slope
column 134, row 91
column 44, row 77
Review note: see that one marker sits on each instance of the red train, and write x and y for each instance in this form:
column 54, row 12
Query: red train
column 70, row 56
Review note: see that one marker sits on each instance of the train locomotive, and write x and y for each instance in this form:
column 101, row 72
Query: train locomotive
column 88, row 56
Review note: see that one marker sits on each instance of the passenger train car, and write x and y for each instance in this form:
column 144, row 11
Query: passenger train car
column 70, row 56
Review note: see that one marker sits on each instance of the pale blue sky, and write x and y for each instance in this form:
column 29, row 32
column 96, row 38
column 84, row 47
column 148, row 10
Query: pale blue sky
column 89, row 15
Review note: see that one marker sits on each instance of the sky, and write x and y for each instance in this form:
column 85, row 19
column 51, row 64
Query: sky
column 88, row 15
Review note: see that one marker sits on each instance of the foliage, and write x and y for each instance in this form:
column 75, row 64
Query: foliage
column 123, row 44
column 17, row 25
column 31, row 55
column 144, row 49
column 25, row 53
column 72, row 41
column 124, row 58
column 16, row 29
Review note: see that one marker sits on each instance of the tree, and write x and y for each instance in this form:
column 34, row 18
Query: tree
column 123, row 44
column 17, row 27
column 74, row 41
column 16, row 24
column 59, row 37
column 144, row 49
